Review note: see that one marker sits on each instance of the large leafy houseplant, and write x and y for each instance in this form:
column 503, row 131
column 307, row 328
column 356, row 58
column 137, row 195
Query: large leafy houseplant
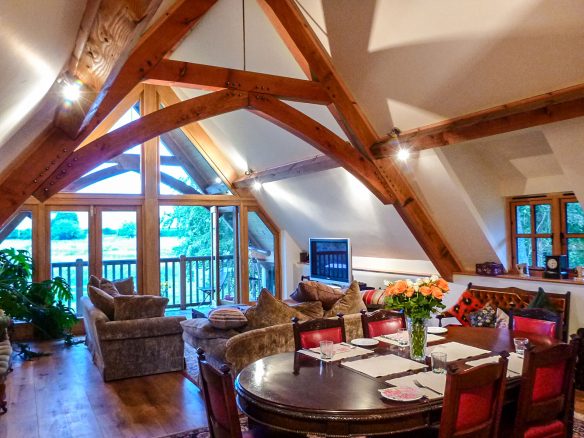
column 40, row 303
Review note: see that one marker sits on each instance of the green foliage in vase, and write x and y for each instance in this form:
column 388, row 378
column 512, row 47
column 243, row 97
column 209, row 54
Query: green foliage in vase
column 42, row 303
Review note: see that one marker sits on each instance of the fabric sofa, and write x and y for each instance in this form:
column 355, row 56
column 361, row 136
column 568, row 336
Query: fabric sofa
column 239, row 348
column 135, row 347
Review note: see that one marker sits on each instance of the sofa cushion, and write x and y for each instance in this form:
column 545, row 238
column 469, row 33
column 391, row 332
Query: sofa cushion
column 270, row 311
column 93, row 281
column 312, row 309
column 466, row 304
column 102, row 300
column 485, row 317
column 227, row 317
column 125, row 286
column 138, row 307
column 201, row 328
column 108, row 287
column 315, row 291
column 350, row 302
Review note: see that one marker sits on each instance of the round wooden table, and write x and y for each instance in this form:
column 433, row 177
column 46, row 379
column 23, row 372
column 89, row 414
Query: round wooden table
column 297, row 393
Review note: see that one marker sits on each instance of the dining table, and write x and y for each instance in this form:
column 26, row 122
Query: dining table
column 299, row 393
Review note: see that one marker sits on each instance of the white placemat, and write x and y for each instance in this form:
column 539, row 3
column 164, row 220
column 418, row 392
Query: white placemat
column 392, row 339
column 456, row 350
column 342, row 351
column 514, row 367
column 383, row 365
column 428, row 393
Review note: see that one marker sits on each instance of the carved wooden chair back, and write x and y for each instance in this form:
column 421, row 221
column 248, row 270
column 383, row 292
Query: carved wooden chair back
column 537, row 321
column 546, row 398
column 381, row 322
column 473, row 400
column 309, row 334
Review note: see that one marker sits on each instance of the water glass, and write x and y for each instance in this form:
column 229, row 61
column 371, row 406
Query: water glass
column 327, row 349
column 520, row 345
column 402, row 337
column 439, row 362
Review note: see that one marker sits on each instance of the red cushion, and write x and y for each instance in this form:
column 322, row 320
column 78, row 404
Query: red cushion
column 384, row 327
column 466, row 304
column 555, row 429
column 535, row 326
column 548, row 381
column 312, row 338
column 474, row 407
column 373, row 297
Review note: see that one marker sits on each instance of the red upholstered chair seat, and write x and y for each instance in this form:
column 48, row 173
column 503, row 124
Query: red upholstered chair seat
column 535, row 326
column 384, row 327
column 312, row 338
column 554, row 429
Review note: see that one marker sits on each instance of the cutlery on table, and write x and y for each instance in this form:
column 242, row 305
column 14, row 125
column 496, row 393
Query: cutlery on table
column 347, row 345
column 419, row 385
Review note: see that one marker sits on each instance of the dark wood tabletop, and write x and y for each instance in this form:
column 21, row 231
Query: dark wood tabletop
column 297, row 393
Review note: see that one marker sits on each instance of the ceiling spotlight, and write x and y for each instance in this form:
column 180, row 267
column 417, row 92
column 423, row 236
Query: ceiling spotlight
column 217, row 180
column 403, row 154
column 72, row 91
column 256, row 185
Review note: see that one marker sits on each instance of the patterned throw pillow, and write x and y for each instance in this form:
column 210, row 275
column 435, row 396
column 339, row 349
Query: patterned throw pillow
column 350, row 302
column 466, row 304
column 108, row 287
column 270, row 311
column 102, row 300
column 373, row 297
column 315, row 291
column 501, row 319
column 486, row 317
column 227, row 318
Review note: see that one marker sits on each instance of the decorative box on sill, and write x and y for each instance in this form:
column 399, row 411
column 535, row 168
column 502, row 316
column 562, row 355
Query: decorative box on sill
column 490, row 268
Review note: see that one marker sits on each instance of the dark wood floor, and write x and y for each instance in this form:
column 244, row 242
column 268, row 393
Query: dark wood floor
column 64, row 396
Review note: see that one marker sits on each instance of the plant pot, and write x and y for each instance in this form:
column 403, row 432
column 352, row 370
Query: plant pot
column 417, row 331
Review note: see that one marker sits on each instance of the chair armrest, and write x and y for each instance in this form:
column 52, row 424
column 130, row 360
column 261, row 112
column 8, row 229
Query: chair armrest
column 139, row 328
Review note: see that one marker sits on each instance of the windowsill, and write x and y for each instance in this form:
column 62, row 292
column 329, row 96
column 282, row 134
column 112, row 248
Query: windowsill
column 530, row 278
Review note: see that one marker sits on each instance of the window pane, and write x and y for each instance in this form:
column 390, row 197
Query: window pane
column 574, row 218
column 543, row 218
column 185, row 232
column 17, row 233
column 544, row 248
column 524, row 250
column 523, row 219
column 227, row 253
column 261, row 257
column 576, row 252
column 119, row 244
column 70, row 250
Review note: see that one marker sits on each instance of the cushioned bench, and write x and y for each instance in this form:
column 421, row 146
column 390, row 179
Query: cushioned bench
column 514, row 298
column 5, row 368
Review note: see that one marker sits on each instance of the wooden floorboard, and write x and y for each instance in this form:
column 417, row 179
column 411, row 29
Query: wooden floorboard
column 64, row 396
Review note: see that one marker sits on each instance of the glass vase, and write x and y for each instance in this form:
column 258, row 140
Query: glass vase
column 417, row 335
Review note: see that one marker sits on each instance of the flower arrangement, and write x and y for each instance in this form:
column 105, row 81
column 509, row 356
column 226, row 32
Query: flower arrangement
column 418, row 299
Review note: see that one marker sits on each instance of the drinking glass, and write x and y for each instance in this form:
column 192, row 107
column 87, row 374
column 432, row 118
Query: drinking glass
column 439, row 362
column 402, row 337
column 327, row 349
column 520, row 345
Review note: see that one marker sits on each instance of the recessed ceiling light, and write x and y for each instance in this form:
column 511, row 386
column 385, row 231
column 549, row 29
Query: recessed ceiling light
column 256, row 185
column 403, row 154
column 217, row 180
column 72, row 91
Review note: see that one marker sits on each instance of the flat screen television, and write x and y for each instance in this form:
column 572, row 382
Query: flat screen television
column 330, row 261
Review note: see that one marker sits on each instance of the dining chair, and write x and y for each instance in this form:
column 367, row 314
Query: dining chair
column 537, row 321
column 545, row 406
column 381, row 322
column 309, row 334
column 473, row 400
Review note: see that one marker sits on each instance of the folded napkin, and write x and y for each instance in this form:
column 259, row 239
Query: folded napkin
column 392, row 339
column 341, row 352
column 456, row 350
column 408, row 381
column 514, row 367
column 383, row 365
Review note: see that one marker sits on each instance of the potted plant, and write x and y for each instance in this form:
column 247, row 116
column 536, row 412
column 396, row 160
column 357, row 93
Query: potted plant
column 40, row 303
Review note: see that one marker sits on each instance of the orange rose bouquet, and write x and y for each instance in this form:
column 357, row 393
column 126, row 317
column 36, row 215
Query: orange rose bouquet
column 418, row 300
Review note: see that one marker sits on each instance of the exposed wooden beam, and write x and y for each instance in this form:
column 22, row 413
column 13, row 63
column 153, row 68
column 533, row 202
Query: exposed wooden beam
column 178, row 185
column 50, row 150
column 323, row 139
column 551, row 107
column 290, row 170
column 14, row 222
column 92, row 178
column 296, row 32
column 145, row 128
column 207, row 77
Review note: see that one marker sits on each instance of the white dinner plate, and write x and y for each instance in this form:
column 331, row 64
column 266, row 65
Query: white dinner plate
column 365, row 342
column 437, row 330
column 401, row 393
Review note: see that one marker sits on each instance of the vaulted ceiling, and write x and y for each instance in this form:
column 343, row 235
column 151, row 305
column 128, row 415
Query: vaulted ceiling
column 408, row 64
